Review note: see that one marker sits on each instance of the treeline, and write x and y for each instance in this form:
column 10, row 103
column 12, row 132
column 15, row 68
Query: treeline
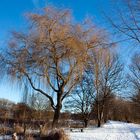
column 116, row 109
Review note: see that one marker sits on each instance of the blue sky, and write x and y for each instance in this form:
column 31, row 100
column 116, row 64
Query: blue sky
column 12, row 18
column 12, row 12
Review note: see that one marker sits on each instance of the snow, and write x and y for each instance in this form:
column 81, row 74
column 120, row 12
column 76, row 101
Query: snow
column 5, row 137
column 112, row 130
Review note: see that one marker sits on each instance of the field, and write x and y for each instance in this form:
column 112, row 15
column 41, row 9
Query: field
column 112, row 130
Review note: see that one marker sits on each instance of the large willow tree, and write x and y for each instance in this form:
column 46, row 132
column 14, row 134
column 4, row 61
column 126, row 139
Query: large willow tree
column 52, row 52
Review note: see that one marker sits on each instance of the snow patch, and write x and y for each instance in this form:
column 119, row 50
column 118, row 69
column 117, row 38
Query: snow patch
column 112, row 130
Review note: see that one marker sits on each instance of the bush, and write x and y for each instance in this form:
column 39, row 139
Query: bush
column 5, row 130
column 43, row 130
column 56, row 135
column 18, row 129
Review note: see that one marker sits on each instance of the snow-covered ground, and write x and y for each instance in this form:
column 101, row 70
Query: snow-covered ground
column 112, row 130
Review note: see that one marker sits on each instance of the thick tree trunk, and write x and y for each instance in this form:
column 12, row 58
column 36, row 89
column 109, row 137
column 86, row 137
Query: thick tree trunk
column 56, row 118
column 57, row 113
column 85, row 123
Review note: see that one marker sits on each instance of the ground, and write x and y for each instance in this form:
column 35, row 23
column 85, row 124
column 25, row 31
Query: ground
column 112, row 130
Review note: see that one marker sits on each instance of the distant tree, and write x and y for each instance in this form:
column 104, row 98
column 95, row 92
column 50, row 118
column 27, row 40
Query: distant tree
column 22, row 113
column 81, row 100
column 52, row 52
column 102, row 107
column 6, row 104
column 120, row 109
column 134, row 78
column 134, row 75
column 6, row 109
column 136, row 107
column 107, row 78
column 38, row 102
column 41, row 105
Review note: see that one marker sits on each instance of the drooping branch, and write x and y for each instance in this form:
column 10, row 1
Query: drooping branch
column 39, row 90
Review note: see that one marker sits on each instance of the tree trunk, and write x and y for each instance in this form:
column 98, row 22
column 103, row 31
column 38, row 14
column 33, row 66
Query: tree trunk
column 56, row 118
column 100, row 116
column 24, row 129
column 85, row 122
column 56, row 114
column 99, row 123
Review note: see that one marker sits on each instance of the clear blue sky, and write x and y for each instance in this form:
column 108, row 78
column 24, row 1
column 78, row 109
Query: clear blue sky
column 12, row 18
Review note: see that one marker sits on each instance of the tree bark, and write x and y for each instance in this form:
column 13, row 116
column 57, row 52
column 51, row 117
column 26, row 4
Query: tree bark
column 100, row 116
column 57, row 112
column 56, row 118
column 85, row 123
column 99, row 123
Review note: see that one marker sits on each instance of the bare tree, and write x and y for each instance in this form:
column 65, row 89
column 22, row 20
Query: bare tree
column 42, row 107
column 107, row 78
column 127, row 19
column 134, row 78
column 38, row 102
column 81, row 100
column 120, row 109
column 6, row 112
column 6, row 104
column 53, row 52
column 23, row 113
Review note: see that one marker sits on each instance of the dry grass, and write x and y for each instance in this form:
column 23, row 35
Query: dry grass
column 56, row 135
column 4, row 130
column 29, row 137
column 18, row 129
column 44, row 130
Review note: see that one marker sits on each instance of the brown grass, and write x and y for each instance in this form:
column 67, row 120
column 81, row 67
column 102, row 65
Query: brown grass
column 4, row 130
column 18, row 129
column 44, row 130
column 56, row 135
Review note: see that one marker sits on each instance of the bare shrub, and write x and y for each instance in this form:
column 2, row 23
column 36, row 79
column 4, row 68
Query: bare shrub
column 29, row 137
column 18, row 129
column 43, row 130
column 4, row 130
column 56, row 135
